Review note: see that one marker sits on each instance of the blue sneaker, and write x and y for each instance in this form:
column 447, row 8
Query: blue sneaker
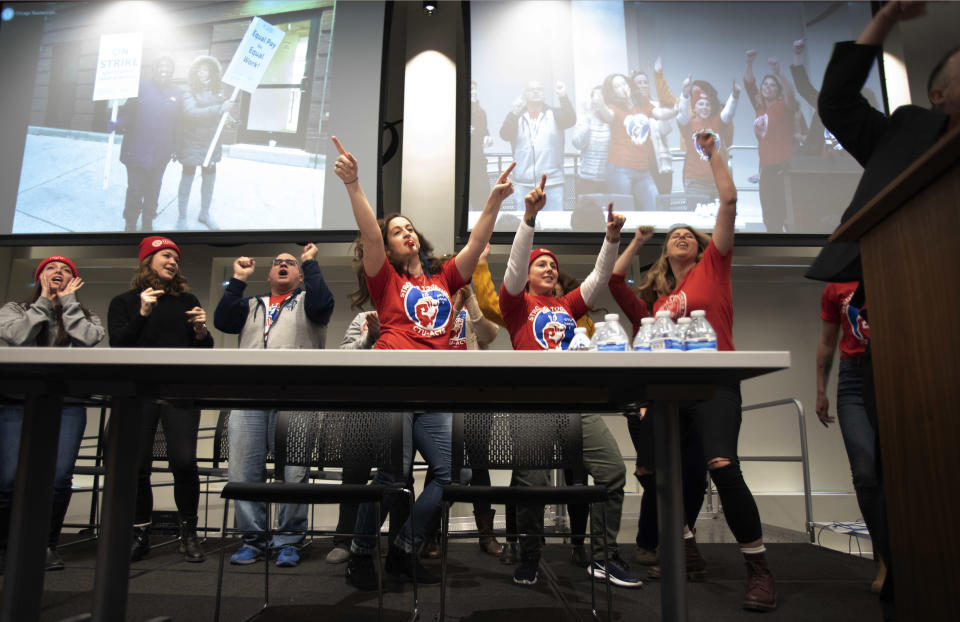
column 617, row 569
column 288, row 557
column 245, row 556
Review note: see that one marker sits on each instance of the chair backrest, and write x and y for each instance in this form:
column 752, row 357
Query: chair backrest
column 372, row 439
column 498, row 440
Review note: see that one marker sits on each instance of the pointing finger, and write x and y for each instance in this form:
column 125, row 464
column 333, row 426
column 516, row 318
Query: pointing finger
column 610, row 212
column 503, row 176
column 543, row 182
column 339, row 146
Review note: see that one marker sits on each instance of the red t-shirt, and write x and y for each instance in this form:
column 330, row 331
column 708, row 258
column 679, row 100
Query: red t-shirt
column 707, row 287
column 833, row 308
column 623, row 151
column 776, row 144
column 414, row 311
column 458, row 332
column 632, row 305
column 541, row 322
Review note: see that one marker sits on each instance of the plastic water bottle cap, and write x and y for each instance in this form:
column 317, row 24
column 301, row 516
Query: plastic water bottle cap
column 611, row 317
column 579, row 330
column 647, row 321
column 663, row 313
column 698, row 313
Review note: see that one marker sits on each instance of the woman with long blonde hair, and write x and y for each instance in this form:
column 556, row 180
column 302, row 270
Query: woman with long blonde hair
column 692, row 275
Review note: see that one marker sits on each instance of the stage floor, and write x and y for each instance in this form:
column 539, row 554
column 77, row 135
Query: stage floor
column 812, row 583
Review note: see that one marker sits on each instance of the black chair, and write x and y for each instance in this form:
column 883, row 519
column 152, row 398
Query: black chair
column 496, row 440
column 325, row 439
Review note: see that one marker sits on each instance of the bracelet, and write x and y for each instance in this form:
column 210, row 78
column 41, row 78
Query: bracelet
column 347, row 183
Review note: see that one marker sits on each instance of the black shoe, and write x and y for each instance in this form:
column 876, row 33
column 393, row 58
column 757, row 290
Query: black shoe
column 402, row 565
column 361, row 573
column 141, row 543
column 53, row 561
column 579, row 556
column 430, row 548
column 189, row 542
column 510, row 555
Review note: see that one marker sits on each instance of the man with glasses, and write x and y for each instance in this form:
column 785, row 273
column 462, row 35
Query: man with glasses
column 291, row 316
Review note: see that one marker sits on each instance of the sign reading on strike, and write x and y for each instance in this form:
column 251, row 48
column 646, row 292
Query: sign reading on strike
column 118, row 66
column 253, row 55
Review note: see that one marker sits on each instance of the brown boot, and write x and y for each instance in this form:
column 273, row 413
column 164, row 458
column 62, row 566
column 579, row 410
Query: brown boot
column 696, row 566
column 761, row 595
column 877, row 584
column 488, row 542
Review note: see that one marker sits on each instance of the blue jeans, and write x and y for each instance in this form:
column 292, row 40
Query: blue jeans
column 251, row 434
column 630, row 181
column 859, row 438
column 73, row 420
column 430, row 434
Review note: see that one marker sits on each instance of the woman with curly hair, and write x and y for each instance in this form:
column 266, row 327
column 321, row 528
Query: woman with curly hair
column 413, row 296
column 693, row 272
column 51, row 317
column 159, row 312
column 204, row 102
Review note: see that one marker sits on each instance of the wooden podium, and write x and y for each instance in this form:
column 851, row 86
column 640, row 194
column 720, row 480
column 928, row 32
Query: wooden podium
column 909, row 237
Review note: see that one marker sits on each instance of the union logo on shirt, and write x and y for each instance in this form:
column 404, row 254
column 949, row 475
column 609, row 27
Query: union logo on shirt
column 676, row 304
column 427, row 307
column 552, row 328
column 458, row 333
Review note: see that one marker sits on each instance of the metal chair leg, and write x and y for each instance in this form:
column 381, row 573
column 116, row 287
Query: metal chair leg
column 444, row 543
column 223, row 553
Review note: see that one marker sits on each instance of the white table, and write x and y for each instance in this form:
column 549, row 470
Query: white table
column 401, row 380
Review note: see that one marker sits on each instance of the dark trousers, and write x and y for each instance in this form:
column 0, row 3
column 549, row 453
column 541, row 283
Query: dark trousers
column 180, row 426
column 143, row 193
column 773, row 196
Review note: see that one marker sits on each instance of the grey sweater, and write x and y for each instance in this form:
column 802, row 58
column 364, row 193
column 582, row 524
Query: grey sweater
column 20, row 324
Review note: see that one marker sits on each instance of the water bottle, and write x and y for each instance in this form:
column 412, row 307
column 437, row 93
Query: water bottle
column 683, row 325
column 641, row 343
column 701, row 335
column 598, row 328
column 580, row 341
column 663, row 338
column 613, row 338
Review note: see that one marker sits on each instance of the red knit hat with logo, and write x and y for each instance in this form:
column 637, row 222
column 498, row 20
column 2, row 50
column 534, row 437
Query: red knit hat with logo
column 51, row 258
column 154, row 243
column 542, row 251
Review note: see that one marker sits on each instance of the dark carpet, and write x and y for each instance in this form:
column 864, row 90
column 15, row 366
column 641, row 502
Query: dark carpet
column 812, row 584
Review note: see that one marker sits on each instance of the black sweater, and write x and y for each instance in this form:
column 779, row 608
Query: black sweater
column 166, row 327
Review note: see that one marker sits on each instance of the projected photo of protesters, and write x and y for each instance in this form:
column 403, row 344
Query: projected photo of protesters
column 776, row 107
column 633, row 126
column 699, row 109
column 535, row 133
column 204, row 101
column 479, row 140
column 150, row 125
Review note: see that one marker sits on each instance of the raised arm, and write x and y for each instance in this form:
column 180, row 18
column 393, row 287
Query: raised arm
column 371, row 240
column 727, row 192
column 829, row 336
column 789, row 97
column 485, row 330
column 644, row 233
column 231, row 312
column 730, row 108
column 592, row 285
column 683, row 105
column 565, row 114
column 887, row 17
column 469, row 255
column 486, row 294
column 515, row 276
column 664, row 95
column 318, row 301
column 749, row 81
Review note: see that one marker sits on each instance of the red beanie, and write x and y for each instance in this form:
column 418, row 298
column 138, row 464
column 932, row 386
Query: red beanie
column 154, row 243
column 541, row 251
column 61, row 259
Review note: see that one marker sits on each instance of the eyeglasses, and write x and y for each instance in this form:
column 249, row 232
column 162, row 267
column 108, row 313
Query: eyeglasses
column 285, row 262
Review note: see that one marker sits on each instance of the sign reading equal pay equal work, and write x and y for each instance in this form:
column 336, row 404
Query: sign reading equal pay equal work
column 253, row 55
